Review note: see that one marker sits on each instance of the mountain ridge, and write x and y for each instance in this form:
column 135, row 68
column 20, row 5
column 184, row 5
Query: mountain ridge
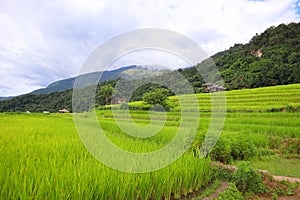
column 66, row 84
column 127, row 72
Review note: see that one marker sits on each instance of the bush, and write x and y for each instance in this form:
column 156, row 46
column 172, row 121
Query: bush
column 242, row 148
column 222, row 151
column 237, row 147
column 231, row 193
column 221, row 173
column 290, row 146
column 248, row 180
column 292, row 108
column 227, row 149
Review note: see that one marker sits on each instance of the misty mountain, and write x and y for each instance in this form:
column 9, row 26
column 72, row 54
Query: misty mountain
column 67, row 84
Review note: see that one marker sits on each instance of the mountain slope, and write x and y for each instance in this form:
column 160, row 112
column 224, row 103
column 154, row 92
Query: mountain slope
column 67, row 84
column 271, row 58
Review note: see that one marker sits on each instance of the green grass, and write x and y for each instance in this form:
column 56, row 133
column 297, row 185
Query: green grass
column 278, row 165
column 42, row 156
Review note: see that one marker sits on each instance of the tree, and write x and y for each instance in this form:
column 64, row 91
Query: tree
column 157, row 96
column 106, row 91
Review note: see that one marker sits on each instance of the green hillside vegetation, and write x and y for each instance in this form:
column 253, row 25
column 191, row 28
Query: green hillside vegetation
column 47, row 102
column 271, row 58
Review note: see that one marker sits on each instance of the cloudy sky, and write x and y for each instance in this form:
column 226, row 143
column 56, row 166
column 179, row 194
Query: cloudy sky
column 44, row 41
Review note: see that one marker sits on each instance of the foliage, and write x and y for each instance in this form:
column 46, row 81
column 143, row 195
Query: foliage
column 231, row 193
column 279, row 63
column 290, row 146
column 156, row 97
column 242, row 148
column 105, row 92
column 229, row 147
column 222, row 173
column 38, row 103
column 222, row 151
column 31, row 142
column 51, row 102
column 248, row 179
column 137, row 95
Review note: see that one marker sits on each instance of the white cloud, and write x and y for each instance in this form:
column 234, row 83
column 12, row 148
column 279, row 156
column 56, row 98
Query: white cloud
column 42, row 41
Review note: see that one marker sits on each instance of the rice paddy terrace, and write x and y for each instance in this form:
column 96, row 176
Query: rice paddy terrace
column 42, row 156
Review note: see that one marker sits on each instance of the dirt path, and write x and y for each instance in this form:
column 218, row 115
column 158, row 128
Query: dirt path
column 232, row 168
column 221, row 189
column 284, row 178
column 224, row 186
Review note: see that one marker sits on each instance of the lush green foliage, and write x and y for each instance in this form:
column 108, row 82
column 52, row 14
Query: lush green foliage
column 106, row 92
column 248, row 179
column 233, row 147
column 231, row 193
column 38, row 103
column 156, row 97
column 290, row 146
column 242, row 67
column 51, row 102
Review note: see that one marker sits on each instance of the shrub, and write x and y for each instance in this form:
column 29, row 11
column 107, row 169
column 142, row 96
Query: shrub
column 231, row 193
column 248, row 180
column 221, row 173
column 228, row 148
column 236, row 147
column 292, row 108
column 242, row 148
column 222, row 151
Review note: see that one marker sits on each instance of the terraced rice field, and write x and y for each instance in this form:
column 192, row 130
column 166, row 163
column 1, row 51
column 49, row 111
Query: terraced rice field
column 42, row 157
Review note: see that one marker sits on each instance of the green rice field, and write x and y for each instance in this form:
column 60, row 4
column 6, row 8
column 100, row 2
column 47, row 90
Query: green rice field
column 42, row 157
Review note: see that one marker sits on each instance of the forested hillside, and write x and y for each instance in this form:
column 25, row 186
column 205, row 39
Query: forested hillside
column 270, row 58
column 46, row 102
